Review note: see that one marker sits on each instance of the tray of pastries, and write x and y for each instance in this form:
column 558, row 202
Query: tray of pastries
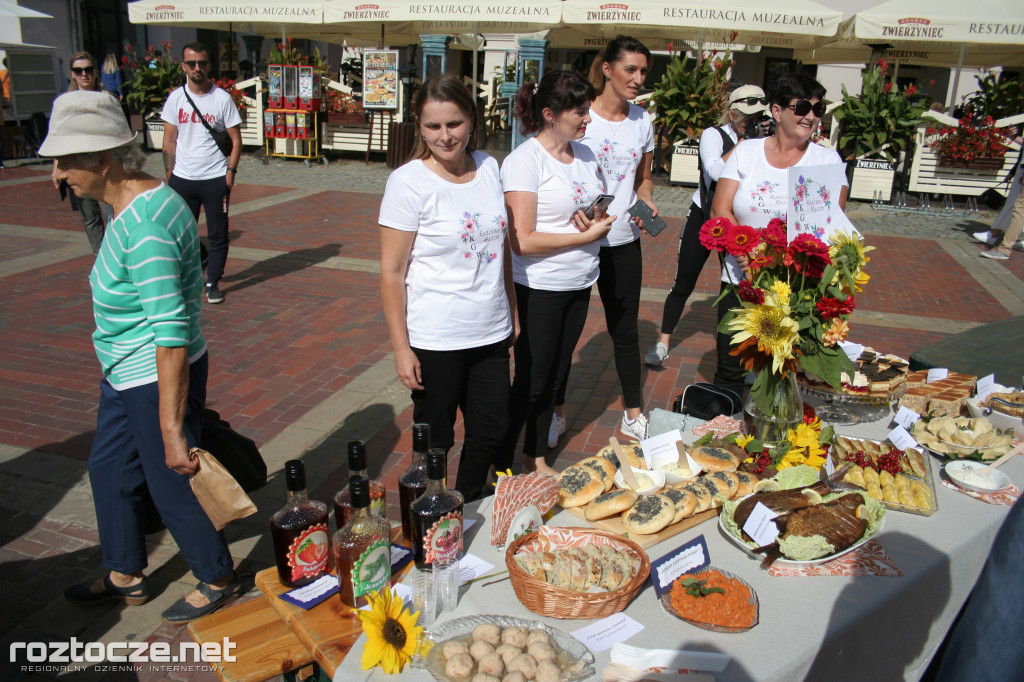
column 901, row 480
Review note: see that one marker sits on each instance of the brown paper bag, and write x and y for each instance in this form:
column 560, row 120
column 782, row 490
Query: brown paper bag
column 218, row 493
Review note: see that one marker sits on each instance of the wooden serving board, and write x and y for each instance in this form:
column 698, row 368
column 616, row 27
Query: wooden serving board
column 613, row 524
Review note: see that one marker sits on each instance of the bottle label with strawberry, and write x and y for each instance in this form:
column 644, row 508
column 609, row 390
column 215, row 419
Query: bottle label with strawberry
column 309, row 552
column 372, row 570
column 443, row 541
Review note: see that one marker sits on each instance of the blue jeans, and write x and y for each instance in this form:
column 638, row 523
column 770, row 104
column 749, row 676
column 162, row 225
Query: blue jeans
column 126, row 467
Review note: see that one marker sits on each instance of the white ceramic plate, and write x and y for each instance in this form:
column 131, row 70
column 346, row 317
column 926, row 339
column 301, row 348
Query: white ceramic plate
column 958, row 468
column 782, row 561
column 462, row 628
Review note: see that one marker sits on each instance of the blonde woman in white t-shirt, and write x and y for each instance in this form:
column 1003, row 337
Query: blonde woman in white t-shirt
column 548, row 181
column 752, row 188
column 446, row 281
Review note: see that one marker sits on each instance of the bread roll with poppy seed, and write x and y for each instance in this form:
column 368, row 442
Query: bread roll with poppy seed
column 698, row 490
column 730, row 479
column 714, row 459
column 716, row 488
column 634, row 456
column 603, row 468
column 650, row 514
column 747, row 483
column 609, row 504
column 685, row 501
column 579, row 486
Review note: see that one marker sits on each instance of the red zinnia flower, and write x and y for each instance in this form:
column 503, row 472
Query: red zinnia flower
column 831, row 308
column 775, row 234
column 751, row 294
column 712, row 233
column 807, row 254
column 741, row 240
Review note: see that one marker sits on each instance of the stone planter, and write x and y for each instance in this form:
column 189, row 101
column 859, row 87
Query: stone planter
column 872, row 179
column 684, row 169
column 155, row 134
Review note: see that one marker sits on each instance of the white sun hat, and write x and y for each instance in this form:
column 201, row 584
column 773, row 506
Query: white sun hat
column 85, row 121
column 742, row 96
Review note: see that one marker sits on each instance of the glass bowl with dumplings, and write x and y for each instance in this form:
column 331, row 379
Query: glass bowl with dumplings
column 963, row 438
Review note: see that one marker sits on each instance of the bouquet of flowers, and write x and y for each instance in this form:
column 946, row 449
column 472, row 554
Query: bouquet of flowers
column 795, row 302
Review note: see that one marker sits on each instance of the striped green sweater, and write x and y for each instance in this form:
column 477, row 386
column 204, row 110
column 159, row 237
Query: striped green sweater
column 146, row 287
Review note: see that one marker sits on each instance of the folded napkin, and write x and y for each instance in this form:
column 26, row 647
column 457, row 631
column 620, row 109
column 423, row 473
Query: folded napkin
column 868, row 559
column 1006, row 496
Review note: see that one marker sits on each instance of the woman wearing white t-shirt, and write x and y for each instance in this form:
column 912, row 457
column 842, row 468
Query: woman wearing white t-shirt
column 622, row 138
column 446, row 281
column 753, row 186
column 548, row 181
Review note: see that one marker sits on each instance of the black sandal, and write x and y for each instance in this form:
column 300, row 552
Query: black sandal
column 182, row 612
column 134, row 595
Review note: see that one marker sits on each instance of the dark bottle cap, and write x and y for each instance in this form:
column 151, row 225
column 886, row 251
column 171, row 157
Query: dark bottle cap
column 356, row 455
column 295, row 475
column 420, row 437
column 359, row 492
column 437, row 464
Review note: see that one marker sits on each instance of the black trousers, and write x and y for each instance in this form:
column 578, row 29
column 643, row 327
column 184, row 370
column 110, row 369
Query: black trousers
column 692, row 257
column 729, row 373
column 550, row 324
column 622, row 271
column 213, row 196
column 476, row 381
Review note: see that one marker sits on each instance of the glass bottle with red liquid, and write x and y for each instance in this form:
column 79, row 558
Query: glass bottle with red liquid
column 362, row 547
column 357, row 467
column 413, row 480
column 300, row 532
column 437, row 532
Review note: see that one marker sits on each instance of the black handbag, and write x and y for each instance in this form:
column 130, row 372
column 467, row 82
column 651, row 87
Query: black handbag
column 221, row 137
column 707, row 401
column 238, row 454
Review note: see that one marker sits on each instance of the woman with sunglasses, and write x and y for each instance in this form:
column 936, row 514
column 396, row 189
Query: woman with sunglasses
column 85, row 76
column 747, row 105
column 752, row 189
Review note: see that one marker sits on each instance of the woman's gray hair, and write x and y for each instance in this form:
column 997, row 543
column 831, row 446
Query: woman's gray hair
column 128, row 155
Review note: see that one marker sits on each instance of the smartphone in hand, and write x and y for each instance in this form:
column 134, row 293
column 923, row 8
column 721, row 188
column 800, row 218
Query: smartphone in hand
column 652, row 224
column 603, row 201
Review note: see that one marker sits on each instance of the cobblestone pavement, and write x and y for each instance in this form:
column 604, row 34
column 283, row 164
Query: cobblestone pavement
column 300, row 362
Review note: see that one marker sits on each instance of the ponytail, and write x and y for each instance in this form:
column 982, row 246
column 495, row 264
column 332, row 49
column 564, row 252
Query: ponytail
column 558, row 91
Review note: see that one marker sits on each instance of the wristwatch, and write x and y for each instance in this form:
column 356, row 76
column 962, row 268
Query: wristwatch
column 233, row 170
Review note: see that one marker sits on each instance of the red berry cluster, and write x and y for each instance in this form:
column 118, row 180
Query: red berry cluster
column 890, row 461
column 809, row 414
column 761, row 462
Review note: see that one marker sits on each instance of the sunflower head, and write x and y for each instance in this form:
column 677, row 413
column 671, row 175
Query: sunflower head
column 392, row 635
column 770, row 325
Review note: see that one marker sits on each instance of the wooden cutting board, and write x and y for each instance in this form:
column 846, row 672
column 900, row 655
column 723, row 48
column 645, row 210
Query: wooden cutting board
column 613, row 524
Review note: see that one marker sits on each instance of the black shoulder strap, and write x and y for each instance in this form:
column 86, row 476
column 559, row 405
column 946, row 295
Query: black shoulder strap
column 202, row 119
column 707, row 192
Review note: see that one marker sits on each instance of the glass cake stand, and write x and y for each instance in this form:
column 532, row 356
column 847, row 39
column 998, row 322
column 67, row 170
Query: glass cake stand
column 849, row 408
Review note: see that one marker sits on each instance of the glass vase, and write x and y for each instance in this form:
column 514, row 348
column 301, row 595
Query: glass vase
column 785, row 412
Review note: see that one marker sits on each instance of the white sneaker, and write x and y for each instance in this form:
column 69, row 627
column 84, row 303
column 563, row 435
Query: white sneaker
column 984, row 237
column 656, row 355
column 1019, row 246
column 995, row 254
column 556, row 430
column 636, row 430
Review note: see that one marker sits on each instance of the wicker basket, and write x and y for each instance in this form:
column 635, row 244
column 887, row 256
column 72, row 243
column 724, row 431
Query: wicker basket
column 556, row 602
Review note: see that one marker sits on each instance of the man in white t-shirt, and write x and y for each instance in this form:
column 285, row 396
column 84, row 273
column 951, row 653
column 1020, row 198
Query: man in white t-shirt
column 196, row 167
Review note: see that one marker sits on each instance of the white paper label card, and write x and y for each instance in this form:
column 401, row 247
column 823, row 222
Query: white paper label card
column 308, row 596
column 759, row 525
column 852, row 350
column 937, row 374
column 659, row 445
column 607, row 632
column 906, row 417
column 472, row 566
column 830, row 466
column 985, row 386
column 689, row 558
column 902, row 439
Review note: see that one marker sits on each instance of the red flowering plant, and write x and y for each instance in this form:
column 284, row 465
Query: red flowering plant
column 237, row 96
column 340, row 103
column 974, row 138
column 795, row 301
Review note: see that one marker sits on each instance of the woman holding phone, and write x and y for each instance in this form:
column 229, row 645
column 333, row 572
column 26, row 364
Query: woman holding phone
column 548, row 181
column 621, row 136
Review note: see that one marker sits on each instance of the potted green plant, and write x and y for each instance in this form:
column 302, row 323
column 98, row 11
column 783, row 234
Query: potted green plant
column 690, row 97
column 875, row 128
column 997, row 96
column 151, row 78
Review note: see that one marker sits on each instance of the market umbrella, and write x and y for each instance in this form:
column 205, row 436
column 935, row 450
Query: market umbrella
column 12, row 10
column 267, row 17
column 938, row 32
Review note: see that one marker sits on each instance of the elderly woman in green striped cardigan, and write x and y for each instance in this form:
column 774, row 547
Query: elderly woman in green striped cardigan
column 146, row 285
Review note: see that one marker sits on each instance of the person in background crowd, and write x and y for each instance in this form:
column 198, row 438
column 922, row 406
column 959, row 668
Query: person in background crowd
column 548, row 181
column 146, row 286
column 446, row 280
column 1013, row 229
column 5, row 84
column 84, row 76
column 196, row 168
column 747, row 104
column 111, row 76
column 1000, row 225
column 621, row 136
column 755, row 177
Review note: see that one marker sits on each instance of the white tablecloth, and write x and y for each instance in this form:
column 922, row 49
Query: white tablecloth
column 820, row 628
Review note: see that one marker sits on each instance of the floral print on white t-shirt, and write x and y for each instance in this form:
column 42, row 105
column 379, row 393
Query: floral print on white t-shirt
column 485, row 243
column 615, row 167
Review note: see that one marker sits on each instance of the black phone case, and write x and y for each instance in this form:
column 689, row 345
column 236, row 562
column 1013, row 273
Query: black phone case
column 652, row 224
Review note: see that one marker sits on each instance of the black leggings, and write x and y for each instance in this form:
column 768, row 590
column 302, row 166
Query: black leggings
column 550, row 324
column 214, row 196
column 692, row 257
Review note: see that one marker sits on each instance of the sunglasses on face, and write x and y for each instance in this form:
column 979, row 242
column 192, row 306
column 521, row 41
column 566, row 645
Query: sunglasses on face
column 192, row 63
column 802, row 107
column 751, row 101
column 79, row 70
